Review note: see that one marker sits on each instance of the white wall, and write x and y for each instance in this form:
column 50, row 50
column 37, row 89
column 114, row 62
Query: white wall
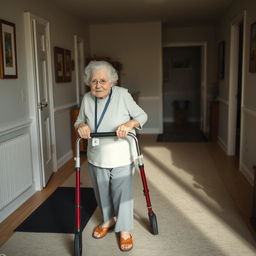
column 248, row 147
column 15, row 119
column 138, row 47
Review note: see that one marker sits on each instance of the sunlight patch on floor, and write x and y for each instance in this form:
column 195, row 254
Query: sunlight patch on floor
column 206, row 205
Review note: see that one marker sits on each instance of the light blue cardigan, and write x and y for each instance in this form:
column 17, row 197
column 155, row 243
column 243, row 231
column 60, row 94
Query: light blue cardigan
column 111, row 151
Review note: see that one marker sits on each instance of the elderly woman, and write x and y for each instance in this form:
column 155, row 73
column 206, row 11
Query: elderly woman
column 109, row 108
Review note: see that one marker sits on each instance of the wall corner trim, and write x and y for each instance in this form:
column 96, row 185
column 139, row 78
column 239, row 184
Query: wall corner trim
column 15, row 126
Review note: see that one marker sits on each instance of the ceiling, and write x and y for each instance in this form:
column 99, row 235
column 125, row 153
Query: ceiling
column 169, row 12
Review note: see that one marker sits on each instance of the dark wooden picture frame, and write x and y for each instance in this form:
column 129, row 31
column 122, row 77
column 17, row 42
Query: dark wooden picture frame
column 252, row 64
column 62, row 65
column 221, row 60
column 8, row 54
column 59, row 64
column 67, row 66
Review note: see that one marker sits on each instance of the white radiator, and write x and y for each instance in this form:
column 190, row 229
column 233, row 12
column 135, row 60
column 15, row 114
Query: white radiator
column 16, row 174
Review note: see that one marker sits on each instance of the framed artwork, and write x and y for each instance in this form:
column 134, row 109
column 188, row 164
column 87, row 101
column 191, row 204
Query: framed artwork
column 62, row 65
column 59, row 64
column 252, row 64
column 221, row 60
column 8, row 55
column 67, row 65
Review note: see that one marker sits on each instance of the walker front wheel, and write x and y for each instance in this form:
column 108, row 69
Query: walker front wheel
column 153, row 223
column 78, row 244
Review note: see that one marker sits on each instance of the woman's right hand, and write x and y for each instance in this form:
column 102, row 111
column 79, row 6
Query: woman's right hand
column 84, row 131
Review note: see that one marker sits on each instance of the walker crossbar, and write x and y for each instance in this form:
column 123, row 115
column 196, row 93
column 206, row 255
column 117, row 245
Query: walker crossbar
column 113, row 134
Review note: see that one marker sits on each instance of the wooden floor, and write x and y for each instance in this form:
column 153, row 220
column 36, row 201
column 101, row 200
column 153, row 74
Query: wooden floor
column 239, row 188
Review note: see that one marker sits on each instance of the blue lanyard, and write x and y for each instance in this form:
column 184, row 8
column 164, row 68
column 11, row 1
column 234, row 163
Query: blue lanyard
column 103, row 112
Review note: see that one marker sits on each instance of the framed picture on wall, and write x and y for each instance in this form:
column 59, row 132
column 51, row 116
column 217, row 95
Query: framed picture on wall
column 67, row 66
column 221, row 60
column 252, row 64
column 8, row 55
column 59, row 64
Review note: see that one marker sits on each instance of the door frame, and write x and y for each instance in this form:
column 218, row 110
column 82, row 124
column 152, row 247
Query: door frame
column 79, row 50
column 203, row 87
column 233, row 83
column 36, row 145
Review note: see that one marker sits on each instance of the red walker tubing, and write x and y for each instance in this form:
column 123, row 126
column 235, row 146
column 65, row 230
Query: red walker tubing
column 78, row 201
column 145, row 187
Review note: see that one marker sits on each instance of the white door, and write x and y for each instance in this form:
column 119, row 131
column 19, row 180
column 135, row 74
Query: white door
column 42, row 79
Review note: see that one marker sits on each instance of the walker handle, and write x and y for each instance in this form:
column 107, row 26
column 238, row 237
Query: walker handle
column 103, row 134
column 113, row 134
column 107, row 134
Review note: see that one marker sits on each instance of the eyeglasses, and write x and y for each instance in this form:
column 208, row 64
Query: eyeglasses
column 101, row 81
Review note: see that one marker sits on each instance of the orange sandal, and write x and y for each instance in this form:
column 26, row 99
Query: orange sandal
column 126, row 242
column 101, row 231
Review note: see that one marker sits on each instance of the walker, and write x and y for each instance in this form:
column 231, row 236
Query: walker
column 151, row 214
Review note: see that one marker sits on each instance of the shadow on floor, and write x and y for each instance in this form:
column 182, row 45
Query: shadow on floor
column 182, row 132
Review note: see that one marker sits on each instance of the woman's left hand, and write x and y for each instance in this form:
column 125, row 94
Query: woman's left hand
column 123, row 129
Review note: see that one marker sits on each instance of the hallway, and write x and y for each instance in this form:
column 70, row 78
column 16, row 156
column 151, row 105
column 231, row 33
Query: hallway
column 196, row 213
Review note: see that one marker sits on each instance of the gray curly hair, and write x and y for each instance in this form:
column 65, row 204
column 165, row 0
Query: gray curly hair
column 95, row 65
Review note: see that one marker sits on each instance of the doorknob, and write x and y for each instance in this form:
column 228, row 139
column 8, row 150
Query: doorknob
column 42, row 105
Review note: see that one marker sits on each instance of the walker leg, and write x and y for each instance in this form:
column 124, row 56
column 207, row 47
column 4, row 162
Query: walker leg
column 78, row 233
column 151, row 214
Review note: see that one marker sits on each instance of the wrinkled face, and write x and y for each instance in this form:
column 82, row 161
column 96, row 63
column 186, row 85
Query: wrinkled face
column 100, row 84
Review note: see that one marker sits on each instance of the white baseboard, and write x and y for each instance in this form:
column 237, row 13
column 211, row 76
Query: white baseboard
column 61, row 161
column 15, row 204
column 150, row 131
column 222, row 145
column 246, row 172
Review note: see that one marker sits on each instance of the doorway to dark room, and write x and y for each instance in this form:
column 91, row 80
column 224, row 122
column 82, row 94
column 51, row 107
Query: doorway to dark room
column 182, row 94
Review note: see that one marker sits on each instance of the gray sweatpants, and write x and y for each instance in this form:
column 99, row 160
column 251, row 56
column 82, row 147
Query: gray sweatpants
column 113, row 188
